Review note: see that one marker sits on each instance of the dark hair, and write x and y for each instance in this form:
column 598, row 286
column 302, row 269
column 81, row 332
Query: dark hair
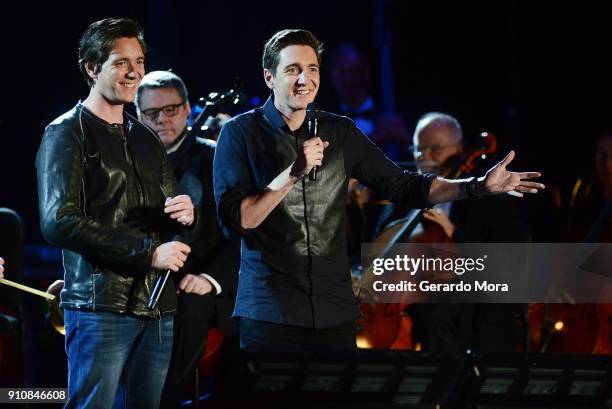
column 161, row 79
column 97, row 41
column 285, row 38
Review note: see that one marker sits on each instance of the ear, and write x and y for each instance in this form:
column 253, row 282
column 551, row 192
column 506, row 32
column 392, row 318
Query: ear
column 187, row 108
column 91, row 70
column 269, row 78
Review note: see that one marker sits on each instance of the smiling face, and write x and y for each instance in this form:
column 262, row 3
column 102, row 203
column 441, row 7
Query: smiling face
column 296, row 80
column 121, row 73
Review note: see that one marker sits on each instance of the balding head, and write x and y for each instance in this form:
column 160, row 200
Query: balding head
column 437, row 138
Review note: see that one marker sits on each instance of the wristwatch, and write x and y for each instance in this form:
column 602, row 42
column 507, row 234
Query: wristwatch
column 470, row 188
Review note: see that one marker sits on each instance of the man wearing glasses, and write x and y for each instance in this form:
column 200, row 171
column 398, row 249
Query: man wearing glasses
column 209, row 277
column 438, row 148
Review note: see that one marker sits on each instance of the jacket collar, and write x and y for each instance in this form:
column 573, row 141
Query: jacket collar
column 127, row 118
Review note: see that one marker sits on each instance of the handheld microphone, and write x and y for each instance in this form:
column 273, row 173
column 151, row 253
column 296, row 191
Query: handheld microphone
column 312, row 122
column 158, row 289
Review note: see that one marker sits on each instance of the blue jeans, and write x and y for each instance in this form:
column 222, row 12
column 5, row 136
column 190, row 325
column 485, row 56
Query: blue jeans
column 116, row 361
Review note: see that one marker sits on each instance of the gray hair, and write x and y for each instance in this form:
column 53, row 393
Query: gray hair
column 438, row 119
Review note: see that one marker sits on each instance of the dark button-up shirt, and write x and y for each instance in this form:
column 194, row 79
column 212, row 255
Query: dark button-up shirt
column 294, row 267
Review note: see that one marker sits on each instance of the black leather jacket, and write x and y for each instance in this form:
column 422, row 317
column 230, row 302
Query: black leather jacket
column 101, row 192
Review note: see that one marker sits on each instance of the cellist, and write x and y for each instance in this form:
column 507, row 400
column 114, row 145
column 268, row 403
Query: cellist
column 439, row 148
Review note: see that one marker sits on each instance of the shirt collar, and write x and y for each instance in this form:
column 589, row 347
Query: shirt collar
column 272, row 114
column 175, row 147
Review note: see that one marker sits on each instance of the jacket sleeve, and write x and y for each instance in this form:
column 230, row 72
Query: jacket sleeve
column 63, row 218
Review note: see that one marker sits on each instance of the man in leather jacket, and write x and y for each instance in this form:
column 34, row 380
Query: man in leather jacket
column 208, row 281
column 294, row 288
column 107, row 196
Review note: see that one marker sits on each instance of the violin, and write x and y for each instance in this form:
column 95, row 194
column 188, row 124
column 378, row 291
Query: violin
column 385, row 325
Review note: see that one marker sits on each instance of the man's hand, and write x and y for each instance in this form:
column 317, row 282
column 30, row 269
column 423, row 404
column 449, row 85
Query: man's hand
column 1, row 267
column 441, row 219
column 170, row 256
column 195, row 284
column 500, row 180
column 180, row 209
column 311, row 155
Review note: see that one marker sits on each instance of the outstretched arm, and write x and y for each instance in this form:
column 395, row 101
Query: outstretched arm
column 497, row 180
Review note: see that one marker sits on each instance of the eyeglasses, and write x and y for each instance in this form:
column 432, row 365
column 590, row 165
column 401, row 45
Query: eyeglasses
column 434, row 149
column 168, row 110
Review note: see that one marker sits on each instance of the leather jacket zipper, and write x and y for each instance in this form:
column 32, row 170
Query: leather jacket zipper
column 141, row 194
column 130, row 159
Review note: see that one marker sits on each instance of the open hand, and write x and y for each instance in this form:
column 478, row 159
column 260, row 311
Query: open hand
column 500, row 180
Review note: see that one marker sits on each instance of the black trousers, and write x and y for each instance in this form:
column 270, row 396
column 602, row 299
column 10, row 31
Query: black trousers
column 196, row 314
column 454, row 328
column 267, row 335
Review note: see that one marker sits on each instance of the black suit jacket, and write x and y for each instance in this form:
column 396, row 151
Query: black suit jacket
column 212, row 253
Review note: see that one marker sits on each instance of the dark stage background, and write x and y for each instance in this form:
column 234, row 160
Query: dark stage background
column 536, row 74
